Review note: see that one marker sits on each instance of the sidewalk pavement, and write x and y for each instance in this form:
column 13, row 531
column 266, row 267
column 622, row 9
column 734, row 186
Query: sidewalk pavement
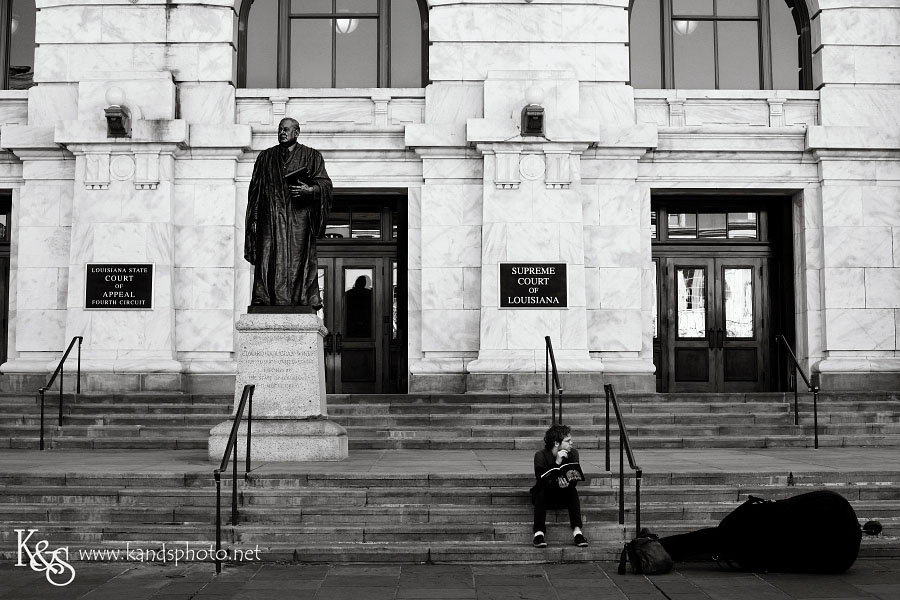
column 866, row 580
column 382, row 462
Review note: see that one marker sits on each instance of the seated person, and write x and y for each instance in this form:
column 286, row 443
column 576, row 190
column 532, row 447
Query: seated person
column 557, row 493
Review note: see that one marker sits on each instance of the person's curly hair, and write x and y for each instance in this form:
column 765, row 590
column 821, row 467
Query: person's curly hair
column 556, row 433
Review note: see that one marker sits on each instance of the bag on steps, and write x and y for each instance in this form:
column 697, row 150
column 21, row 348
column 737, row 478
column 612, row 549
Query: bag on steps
column 646, row 555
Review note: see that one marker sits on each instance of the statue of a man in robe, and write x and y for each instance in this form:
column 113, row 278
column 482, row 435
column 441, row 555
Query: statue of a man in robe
column 287, row 208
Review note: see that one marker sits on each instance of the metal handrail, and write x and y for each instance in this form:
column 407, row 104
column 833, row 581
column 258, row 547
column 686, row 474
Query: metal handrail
column 624, row 450
column 61, row 372
column 550, row 373
column 231, row 448
column 809, row 386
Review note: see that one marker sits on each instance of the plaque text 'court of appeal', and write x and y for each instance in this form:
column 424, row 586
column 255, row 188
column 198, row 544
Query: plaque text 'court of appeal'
column 120, row 286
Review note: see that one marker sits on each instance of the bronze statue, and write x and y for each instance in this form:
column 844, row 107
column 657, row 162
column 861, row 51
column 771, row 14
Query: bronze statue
column 287, row 208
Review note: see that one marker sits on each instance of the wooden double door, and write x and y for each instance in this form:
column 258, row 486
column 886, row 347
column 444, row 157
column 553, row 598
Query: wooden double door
column 716, row 327
column 360, row 313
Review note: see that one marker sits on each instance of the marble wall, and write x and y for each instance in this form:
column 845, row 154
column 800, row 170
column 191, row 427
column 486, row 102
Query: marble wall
column 174, row 194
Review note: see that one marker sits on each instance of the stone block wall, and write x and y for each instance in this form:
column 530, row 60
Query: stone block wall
column 479, row 194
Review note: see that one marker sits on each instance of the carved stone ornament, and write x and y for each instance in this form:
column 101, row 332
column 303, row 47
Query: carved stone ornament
column 559, row 172
column 506, row 174
column 147, row 171
column 96, row 171
column 532, row 167
column 121, row 167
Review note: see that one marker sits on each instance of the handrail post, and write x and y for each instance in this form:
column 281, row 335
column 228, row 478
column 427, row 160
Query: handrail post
column 42, row 418
column 796, row 402
column 78, row 376
column 234, row 514
column 62, row 371
column 637, row 501
column 547, row 365
column 218, row 478
column 815, row 392
column 621, row 480
column 249, row 427
column 560, row 407
column 607, row 429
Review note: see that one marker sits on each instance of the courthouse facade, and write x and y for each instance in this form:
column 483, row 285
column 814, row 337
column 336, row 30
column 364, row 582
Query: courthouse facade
column 662, row 187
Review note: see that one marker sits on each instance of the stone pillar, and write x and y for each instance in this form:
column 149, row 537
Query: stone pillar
column 857, row 148
column 860, row 275
column 532, row 212
column 39, row 273
column 282, row 355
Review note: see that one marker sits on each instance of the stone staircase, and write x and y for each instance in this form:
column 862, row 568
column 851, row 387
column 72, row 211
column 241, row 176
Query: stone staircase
column 499, row 421
column 363, row 517
column 434, row 513
column 98, row 421
column 166, row 420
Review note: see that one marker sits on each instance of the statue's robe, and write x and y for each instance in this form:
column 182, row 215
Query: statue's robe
column 281, row 232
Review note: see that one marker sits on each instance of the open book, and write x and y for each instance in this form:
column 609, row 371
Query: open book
column 571, row 471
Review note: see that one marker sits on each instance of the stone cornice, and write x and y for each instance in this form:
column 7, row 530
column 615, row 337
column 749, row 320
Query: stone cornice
column 858, row 139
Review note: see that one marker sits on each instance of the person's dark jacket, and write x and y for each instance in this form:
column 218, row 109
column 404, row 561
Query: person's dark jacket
column 544, row 461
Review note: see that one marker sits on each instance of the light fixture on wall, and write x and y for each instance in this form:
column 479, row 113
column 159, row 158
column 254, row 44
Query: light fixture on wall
column 533, row 113
column 685, row 27
column 13, row 24
column 345, row 25
column 118, row 117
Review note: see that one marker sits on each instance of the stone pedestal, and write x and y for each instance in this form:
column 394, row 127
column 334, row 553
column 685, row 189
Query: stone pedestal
column 282, row 355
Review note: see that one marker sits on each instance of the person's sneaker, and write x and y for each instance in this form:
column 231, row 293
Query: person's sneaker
column 580, row 541
column 538, row 541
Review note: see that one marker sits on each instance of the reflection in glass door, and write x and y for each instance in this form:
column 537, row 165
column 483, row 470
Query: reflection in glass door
column 352, row 290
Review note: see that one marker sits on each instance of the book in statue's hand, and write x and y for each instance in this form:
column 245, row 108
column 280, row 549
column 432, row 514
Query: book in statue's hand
column 571, row 471
column 298, row 176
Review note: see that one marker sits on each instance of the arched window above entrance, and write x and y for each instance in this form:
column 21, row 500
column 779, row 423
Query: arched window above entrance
column 720, row 44
column 332, row 43
column 17, row 19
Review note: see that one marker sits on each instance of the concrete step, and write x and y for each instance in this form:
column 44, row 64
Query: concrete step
column 149, row 420
column 32, row 442
column 452, row 552
column 107, row 431
column 805, row 440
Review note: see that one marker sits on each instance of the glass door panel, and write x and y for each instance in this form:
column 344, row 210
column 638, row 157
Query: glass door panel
column 358, row 303
column 687, row 322
column 357, row 338
column 742, row 340
column 738, row 302
column 712, row 330
column 691, row 292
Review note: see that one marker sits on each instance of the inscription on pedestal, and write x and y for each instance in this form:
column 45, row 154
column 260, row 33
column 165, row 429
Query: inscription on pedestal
column 282, row 355
column 277, row 369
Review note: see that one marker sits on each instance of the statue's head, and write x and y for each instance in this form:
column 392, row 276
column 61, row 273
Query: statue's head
column 288, row 132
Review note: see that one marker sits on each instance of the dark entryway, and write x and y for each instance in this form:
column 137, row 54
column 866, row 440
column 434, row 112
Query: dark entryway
column 724, row 289
column 362, row 275
column 5, row 237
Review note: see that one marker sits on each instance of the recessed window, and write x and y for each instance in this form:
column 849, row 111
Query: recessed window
column 17, row 43
column 720, row 44
column 332, row 43
column 711, row 225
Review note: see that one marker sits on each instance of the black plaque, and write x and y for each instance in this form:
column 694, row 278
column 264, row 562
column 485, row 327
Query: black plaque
column 533, row 285
column 114, row 286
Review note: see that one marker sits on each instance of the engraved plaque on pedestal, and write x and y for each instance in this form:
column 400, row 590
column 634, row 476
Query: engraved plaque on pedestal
column 282, row 355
